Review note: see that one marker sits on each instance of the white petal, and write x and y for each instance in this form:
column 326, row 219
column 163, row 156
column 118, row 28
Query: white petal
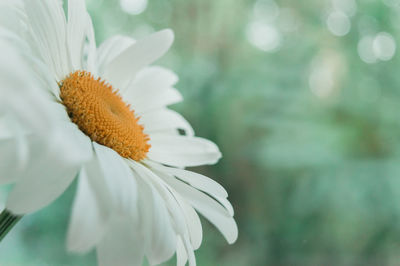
column 48, row 31
column 22, row 88
column 183, row 151
column 9, row 161
column 181, row 255
column 13, row 147
column 189, row 251
column 165, row 120
column 110, row 49
column 208, row 207
column 91, row 48
column 45, row 80
column 17, row 54
column 191, row 224
column 157, row 226
column 53, row 165
column 124, row 67
column 114, row 189
column 96, row 180
column 149, row 82
column 194, row 179
column 14, row 150
column 163, row 190
column 6, row 128
column 160, row 100
column 119, row 184
column 77, row 31
column 122, row 245
column 45, row 181
column 227, row 205
column 87, row 222
column 68, row 143
column 11, row 16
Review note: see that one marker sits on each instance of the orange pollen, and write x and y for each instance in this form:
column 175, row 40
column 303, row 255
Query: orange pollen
column 100, row 113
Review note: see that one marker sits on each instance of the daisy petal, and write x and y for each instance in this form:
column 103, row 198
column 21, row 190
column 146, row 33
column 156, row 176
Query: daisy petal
column 77, row 21
column 165, row 120
column 10, row 15
column 124, row 67
column 69, row 143
column 156, row 219
column 181, row 151
column 160, row 100
column 208, row 207
column 47, row 173
column 9, row 163
column 181, row 255
column 14, row 151
column 48, row 30
column 227, row 205
column 196, row 180
column 110, row 49
column 33, row 82
column 193, row 223
column 48, row 176
column 21, row 88
column 149, row 82
column 122, row 244
column 87, row 222
column 165, row 192
column 92, row 49
column 117, row 180
column 190, row 222
column 189, row 251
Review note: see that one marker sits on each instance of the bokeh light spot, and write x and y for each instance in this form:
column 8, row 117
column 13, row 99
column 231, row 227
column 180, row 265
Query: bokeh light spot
column 133, row 7
column 365, row 50
column 338, row 23
column 384, row 46
column 263, row 36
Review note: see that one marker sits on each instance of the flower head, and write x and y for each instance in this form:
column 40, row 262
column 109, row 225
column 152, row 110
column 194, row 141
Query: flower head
column 134, row 198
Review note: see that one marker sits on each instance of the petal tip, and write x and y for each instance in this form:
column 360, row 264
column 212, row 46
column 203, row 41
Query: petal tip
column 234, row 236
column 169, row 33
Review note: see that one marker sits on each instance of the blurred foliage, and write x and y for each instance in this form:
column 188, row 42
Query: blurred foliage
column 306, row 119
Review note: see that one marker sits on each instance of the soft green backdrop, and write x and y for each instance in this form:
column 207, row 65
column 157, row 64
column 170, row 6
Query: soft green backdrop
column 303, row 99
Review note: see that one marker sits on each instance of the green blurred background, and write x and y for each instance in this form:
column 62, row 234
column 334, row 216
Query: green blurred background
column 302, row 98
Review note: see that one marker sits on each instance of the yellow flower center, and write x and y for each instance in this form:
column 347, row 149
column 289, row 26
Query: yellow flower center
column 100, row 113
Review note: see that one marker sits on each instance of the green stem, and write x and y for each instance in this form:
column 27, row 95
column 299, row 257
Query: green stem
column 7, row 222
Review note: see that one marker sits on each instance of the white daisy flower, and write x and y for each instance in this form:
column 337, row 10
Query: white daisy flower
column 134, row 198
